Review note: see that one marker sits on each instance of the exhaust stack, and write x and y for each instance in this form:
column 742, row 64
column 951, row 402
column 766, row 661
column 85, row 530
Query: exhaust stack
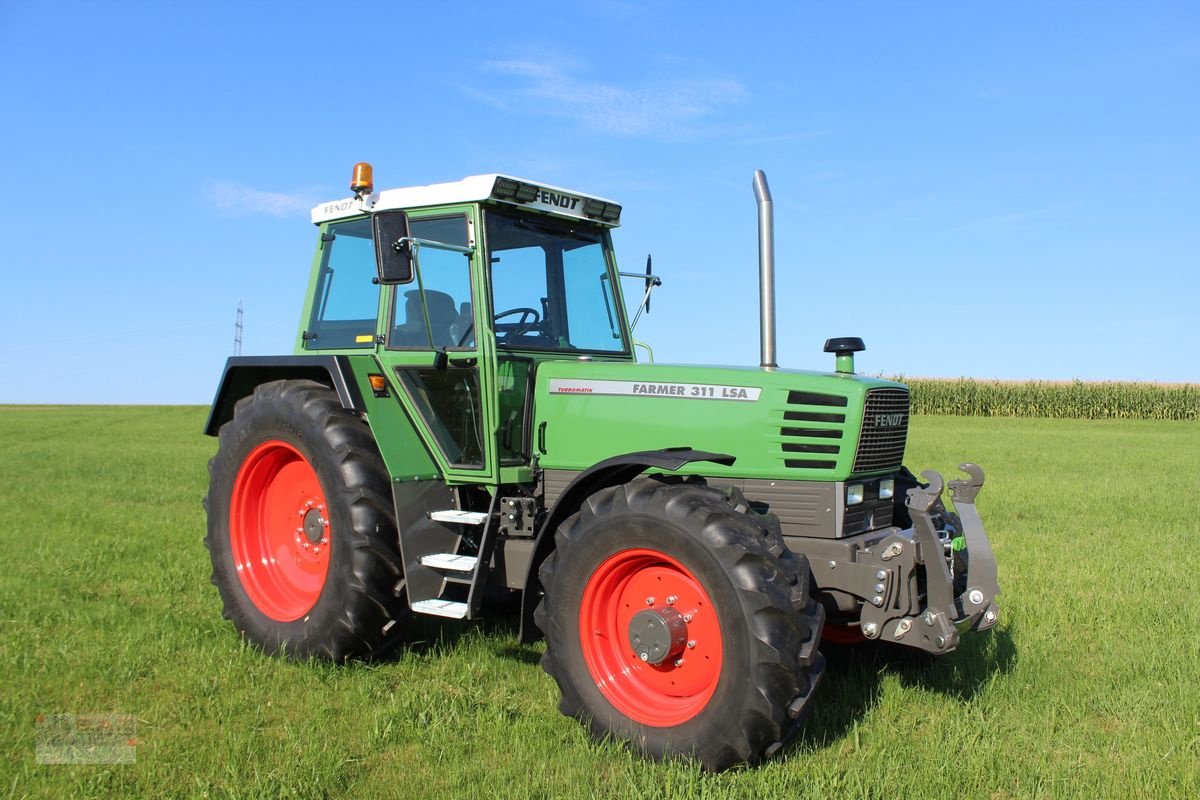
column 766, row 270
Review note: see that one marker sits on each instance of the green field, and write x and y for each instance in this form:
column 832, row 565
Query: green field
column 1090, row 687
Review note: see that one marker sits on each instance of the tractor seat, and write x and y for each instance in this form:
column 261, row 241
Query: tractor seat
column 442, row 316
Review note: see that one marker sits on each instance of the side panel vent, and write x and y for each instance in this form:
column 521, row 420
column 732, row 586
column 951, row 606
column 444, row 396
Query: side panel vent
column 807, row 446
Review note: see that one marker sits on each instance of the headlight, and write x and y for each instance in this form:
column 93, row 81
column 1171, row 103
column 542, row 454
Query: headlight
column 887, row 488
column 854, row 494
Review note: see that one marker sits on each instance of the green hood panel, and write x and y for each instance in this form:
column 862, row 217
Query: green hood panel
column 783, row 424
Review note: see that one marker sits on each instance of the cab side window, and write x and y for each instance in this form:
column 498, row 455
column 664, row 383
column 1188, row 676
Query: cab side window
column 436, row 310
column 346, row 300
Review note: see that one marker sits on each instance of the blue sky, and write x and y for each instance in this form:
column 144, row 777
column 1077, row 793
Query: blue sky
column 987, row 189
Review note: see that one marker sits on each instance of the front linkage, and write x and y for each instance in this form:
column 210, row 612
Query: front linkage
column 934, row 547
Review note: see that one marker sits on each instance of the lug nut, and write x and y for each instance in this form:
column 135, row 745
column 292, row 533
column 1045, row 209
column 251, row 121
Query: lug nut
column 649, row 601
column 880, row 575
column 687, row 617
column 876, row 601
column 691, row 644
column 644, row 656
column 679, row 662
column 671, row 600
column 879, row 588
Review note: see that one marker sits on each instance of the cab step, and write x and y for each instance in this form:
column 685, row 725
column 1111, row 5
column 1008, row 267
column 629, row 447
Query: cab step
column 449, row 561
column 441, row 608
column 459, row 517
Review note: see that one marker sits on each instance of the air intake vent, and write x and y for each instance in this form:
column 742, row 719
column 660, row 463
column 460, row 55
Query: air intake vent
column 807, row 446
column 884, row 431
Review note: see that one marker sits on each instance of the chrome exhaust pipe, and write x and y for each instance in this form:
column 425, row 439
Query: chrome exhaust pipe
column 766, row 270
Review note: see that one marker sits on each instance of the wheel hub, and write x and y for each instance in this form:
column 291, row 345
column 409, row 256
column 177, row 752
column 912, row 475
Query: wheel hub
column 314, row 525
column 657, row 634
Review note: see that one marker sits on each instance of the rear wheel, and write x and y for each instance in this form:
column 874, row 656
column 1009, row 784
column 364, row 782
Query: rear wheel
column 300, row 530
column 679, row 623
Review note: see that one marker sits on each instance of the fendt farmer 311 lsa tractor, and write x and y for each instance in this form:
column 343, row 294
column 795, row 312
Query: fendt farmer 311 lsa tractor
column 465, row 419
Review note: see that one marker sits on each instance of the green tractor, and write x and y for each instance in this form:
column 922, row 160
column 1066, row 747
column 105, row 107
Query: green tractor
column 465, row 421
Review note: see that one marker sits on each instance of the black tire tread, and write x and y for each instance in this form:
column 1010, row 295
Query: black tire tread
column 345, row 443
column 772, row 590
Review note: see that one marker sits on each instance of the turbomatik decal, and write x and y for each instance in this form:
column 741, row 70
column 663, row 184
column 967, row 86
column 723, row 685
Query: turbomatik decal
column 691, row 391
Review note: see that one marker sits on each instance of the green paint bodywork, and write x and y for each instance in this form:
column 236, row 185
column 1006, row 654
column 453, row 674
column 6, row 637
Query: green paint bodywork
column 582, row 429
column 404, row 454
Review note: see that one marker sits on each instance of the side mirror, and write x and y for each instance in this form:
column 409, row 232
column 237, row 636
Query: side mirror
column 393, row 257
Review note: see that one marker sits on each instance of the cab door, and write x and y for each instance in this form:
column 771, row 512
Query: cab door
column 429, row 346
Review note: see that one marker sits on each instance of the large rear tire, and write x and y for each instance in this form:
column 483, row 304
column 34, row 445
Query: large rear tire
column 300, row 527
column 678, row 622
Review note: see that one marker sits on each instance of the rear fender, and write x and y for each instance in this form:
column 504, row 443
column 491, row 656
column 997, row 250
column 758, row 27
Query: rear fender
column 243, row 373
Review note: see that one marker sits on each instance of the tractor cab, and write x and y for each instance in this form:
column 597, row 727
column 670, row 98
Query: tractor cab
column 460, row 290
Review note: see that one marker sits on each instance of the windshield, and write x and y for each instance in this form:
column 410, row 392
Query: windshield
column 551, row 289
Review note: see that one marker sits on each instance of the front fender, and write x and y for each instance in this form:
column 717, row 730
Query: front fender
column 610, row 472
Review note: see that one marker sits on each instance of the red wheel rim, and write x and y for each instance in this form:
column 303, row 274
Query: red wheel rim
column 279, row 531
column 659, row 695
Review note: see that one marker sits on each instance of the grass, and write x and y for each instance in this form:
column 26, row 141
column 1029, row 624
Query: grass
column 1090, row 687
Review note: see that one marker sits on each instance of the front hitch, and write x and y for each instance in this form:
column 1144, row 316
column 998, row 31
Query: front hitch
column 899, row 607
column 976, row 608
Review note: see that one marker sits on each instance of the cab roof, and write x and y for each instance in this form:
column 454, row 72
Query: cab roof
column 495, row 187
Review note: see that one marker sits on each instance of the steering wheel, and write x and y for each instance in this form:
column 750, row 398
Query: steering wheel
column 530, row 319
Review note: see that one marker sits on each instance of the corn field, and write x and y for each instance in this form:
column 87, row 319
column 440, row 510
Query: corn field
column 1062, row 400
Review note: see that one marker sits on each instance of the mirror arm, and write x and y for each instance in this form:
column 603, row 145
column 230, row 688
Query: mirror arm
column 414, row 242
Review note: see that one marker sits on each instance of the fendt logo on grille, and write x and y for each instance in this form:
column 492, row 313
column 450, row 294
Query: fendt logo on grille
column 888, row 420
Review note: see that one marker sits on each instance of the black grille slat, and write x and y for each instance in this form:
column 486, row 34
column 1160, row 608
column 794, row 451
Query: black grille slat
column 884, row 430
column 812, row 433
column 791, row 447
column 813, row 416
column 809, row 464
column 815, row 399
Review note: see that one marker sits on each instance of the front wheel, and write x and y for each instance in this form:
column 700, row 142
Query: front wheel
column 300, row 529
column 679, row 623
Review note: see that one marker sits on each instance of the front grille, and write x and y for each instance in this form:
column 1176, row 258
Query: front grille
column 807, row 446
column 884, row 431
column 867, row 517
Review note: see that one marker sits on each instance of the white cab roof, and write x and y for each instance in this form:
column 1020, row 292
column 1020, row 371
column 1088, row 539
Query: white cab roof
column 472, row 189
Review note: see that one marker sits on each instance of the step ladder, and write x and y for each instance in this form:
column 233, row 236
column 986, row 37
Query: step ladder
column 441, row 608
column 457, row 567
column 459, row 517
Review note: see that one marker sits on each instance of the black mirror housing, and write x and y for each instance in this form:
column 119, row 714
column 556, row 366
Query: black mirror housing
column 393, row 255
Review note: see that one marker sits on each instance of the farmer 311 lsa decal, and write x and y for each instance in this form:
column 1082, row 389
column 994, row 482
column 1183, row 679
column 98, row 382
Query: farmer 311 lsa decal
column 464, row 418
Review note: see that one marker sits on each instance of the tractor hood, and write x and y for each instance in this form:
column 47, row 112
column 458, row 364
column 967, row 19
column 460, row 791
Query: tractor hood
column 781, row 424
